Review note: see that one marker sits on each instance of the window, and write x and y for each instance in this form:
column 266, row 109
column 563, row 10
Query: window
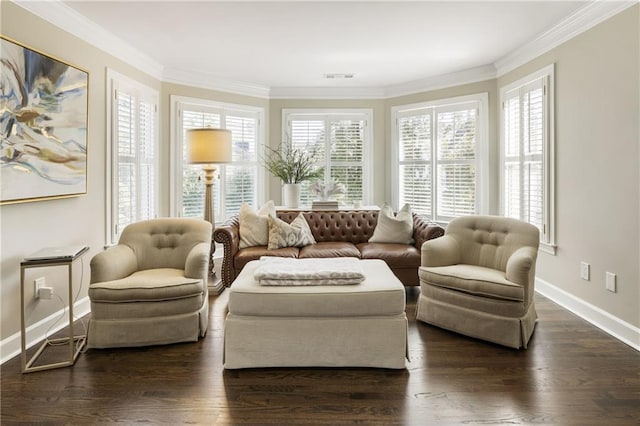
column 239, row 181
column 133, row 148
column 440, row 157
column 341, row 140
column 527, row 151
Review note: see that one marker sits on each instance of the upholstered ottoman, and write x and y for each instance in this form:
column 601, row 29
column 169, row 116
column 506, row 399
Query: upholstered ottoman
column 361, row 325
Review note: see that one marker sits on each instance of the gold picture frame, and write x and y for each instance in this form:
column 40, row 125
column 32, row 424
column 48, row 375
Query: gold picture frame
column 44, row 114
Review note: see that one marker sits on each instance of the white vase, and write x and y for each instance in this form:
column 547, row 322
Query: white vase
column 291, row 195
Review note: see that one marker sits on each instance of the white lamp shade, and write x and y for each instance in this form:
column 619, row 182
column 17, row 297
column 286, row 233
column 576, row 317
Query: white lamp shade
column 208, row 146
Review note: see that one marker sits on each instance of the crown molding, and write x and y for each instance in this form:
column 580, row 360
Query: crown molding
column 326, row 93
column 208, row 81
column 582, row 20
column 66, row 18
column 472, row 75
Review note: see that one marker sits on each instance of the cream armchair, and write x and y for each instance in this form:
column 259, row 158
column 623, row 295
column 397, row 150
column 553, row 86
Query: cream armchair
column 151, row 288
column 478, row 279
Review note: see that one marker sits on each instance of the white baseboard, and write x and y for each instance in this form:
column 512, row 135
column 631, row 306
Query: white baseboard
column 621, row 330
column 10, row 347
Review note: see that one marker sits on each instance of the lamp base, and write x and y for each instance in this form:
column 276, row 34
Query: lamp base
column 209, row 174
column 215, row 285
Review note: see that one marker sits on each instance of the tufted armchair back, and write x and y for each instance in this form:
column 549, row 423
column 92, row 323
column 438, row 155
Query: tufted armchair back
column 166, row 242
column 490, row 241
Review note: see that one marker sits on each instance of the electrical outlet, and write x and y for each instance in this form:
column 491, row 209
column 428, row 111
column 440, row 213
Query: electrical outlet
column 585, row 271
column 38, row 283
column 610, row 281
column 46, row 293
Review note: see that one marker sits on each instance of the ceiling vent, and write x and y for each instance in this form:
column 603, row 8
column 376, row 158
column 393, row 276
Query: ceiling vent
column 338, row 76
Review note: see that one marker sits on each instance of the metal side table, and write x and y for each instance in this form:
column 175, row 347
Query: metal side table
column 76, row 343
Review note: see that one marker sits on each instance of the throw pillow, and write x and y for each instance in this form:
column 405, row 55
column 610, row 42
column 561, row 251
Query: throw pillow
column 294, row 234
column 254, row 226
column 393, row 229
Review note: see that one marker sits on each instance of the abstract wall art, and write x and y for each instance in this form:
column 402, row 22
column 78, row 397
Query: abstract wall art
column 43, row 125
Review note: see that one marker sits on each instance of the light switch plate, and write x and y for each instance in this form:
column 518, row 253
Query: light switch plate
column 610, row 281
column 585, row 271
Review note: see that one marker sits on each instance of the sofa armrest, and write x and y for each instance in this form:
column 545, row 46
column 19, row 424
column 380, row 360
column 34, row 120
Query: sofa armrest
column 423, row 231
column 197, row 262
column 443, row 251
column 113, row 264
column 229, row 236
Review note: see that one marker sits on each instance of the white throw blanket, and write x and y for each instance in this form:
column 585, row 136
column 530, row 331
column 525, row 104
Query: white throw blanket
column 290, row 271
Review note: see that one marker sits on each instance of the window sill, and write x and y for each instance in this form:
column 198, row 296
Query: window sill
column 548, row 248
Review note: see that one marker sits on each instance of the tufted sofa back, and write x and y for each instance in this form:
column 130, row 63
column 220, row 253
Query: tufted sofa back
column 489, row 241
column 345, row 226
column 166, row 242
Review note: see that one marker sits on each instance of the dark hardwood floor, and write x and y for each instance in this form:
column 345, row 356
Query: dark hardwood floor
column 572, row 374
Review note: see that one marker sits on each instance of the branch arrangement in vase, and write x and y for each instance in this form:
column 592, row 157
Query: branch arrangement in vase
column 292, row 165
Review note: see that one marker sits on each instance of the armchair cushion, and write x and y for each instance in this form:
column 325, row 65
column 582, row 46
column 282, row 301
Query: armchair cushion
column 150, row 285
column 471, row 279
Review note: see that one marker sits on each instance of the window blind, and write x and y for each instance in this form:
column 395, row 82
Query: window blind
column 347, row 155
column 340, row 143
column 523, row 153
column 308, row 134
column 135, row 147
column 240, row 177
column 437, row 159
column 456, row 171
column 415, row 140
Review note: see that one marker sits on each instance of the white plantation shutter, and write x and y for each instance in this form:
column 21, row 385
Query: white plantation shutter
column 308, row 134
column 241, row 175
column 437, row 159
column 415, row 162
column 347, row 156
column 237, row 182
column 456, row 158
column 134, row 155
column 523, row 153
column 340, row 141
column 527, row 153
column 126, row 178
column 147, row 160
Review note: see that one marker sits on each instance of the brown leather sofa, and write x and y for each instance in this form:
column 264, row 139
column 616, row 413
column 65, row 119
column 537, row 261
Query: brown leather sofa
column 337, row 234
